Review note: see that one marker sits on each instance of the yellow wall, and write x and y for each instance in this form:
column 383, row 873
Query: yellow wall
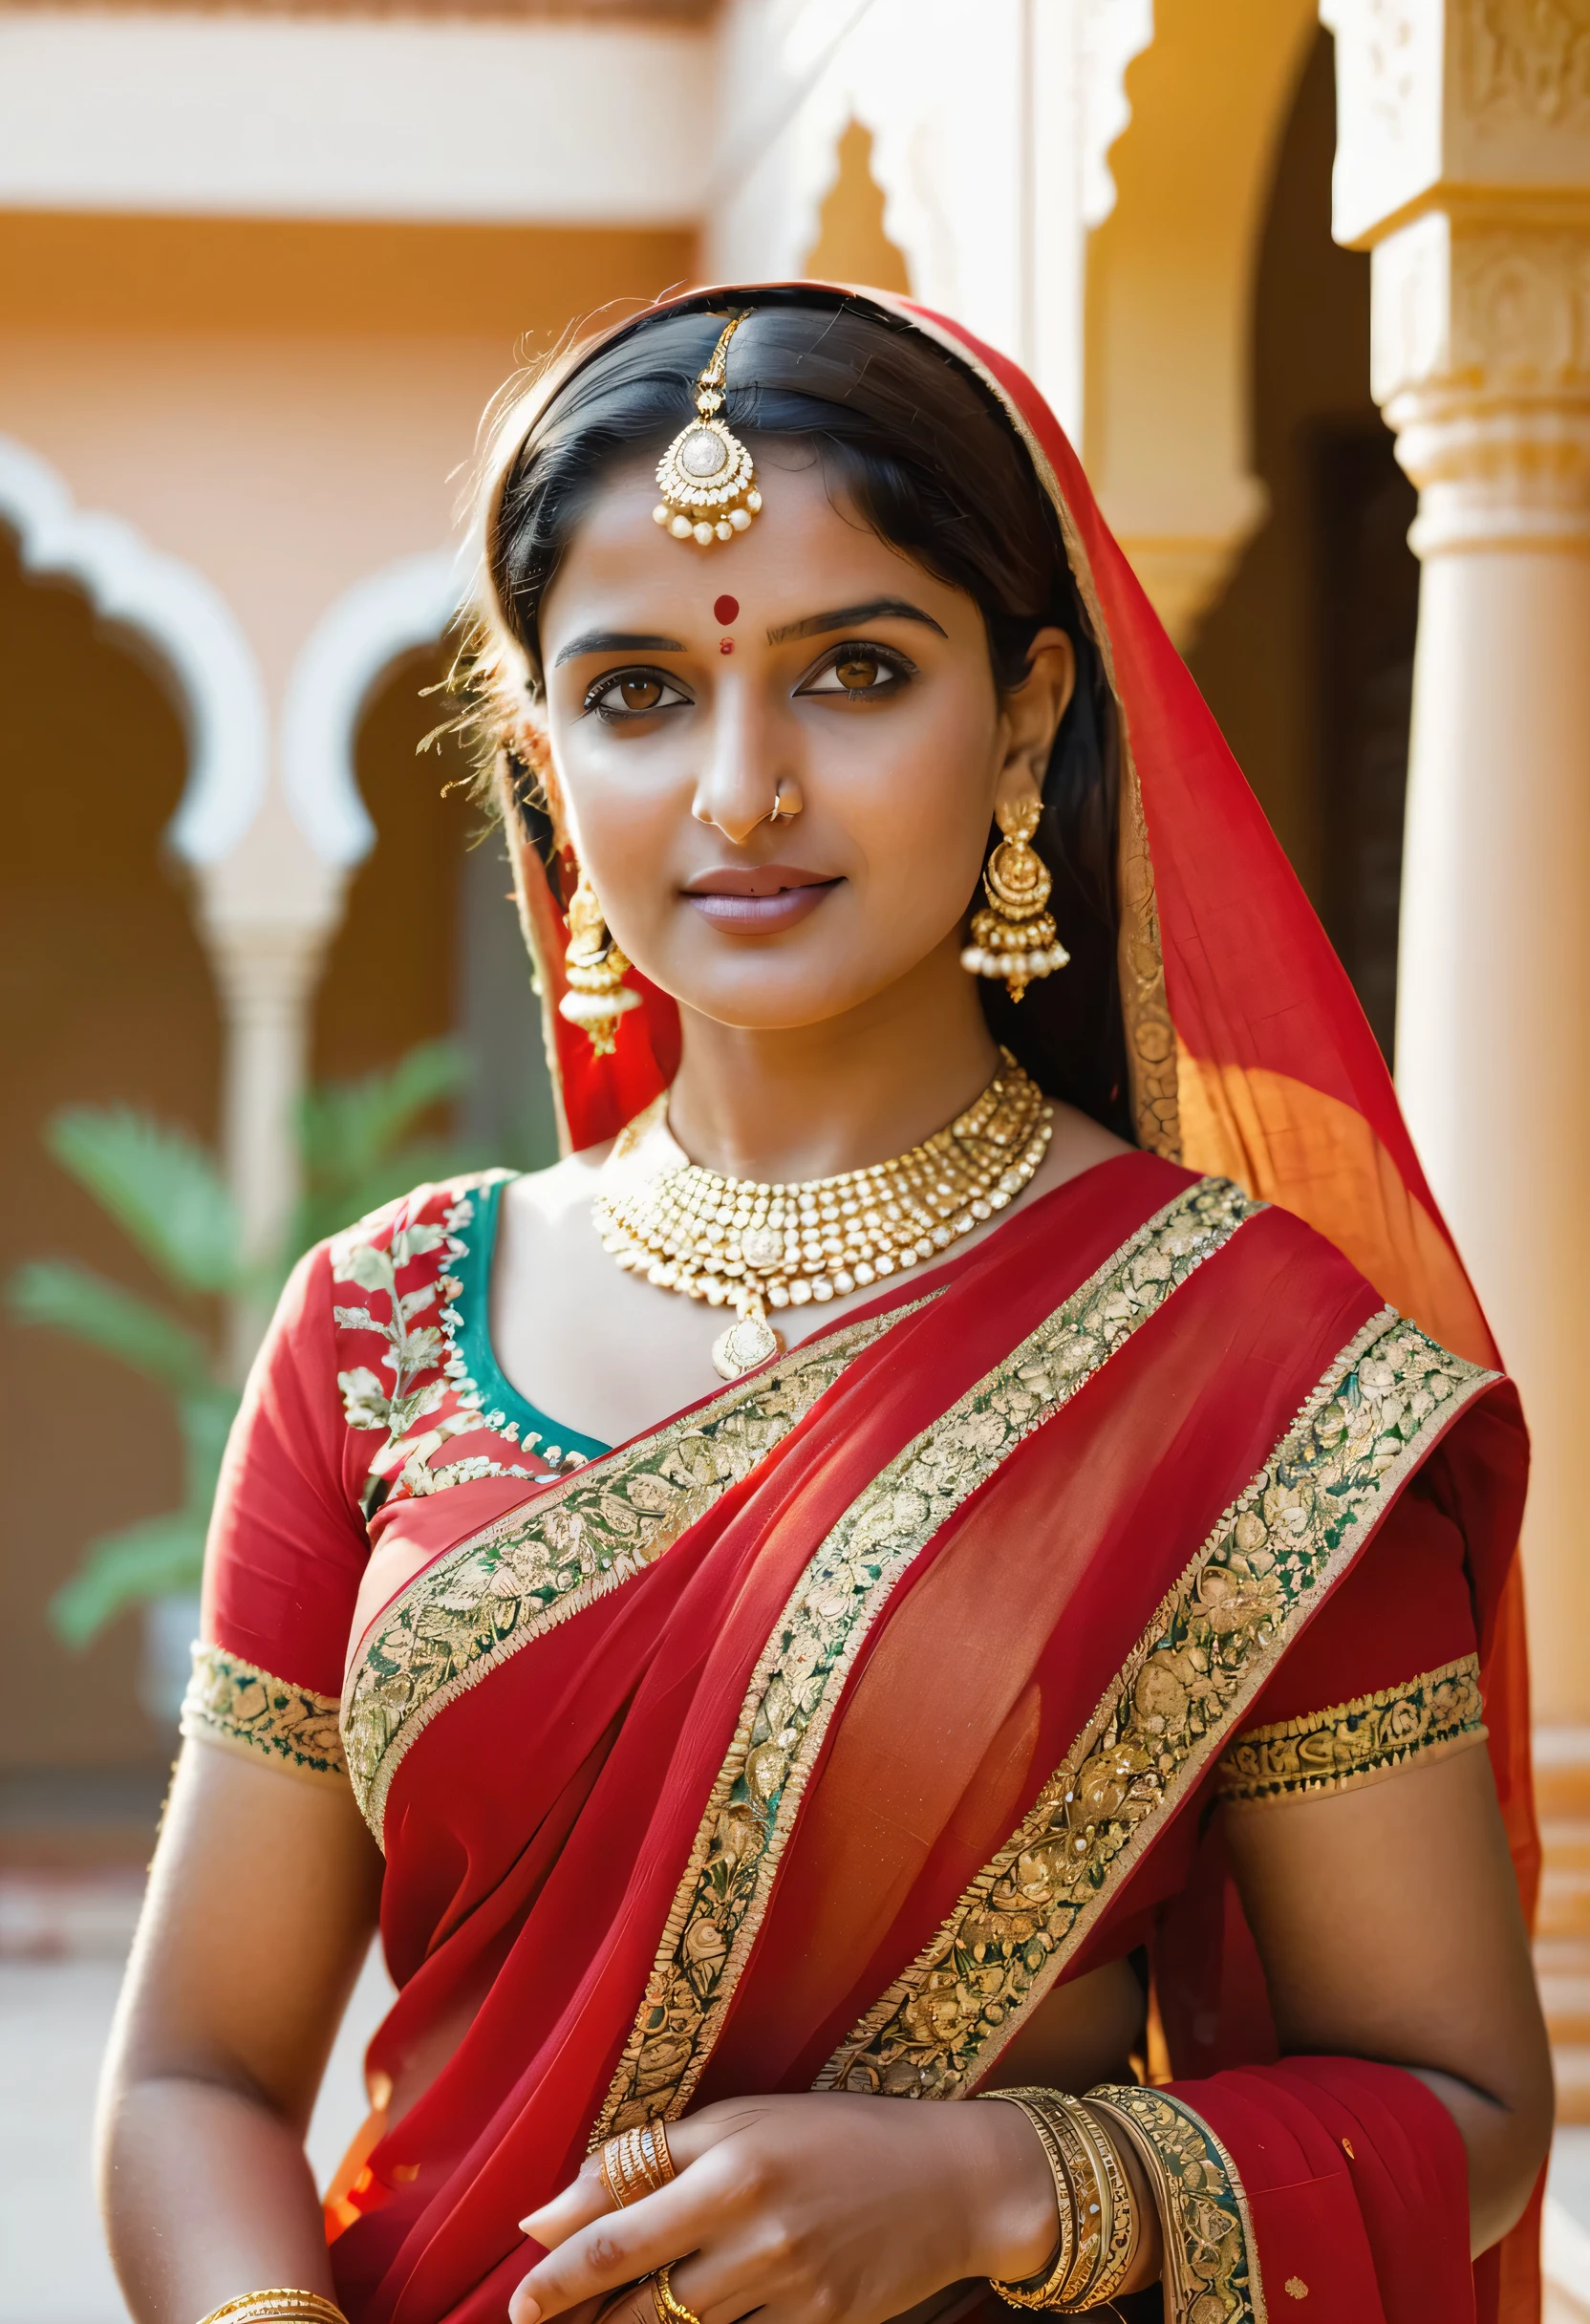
column 851, row 245
column 1257, row 654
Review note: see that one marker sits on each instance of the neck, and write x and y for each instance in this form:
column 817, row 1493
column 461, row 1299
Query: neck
column 809, row 1101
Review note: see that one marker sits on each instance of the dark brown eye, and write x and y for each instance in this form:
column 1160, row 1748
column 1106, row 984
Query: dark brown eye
column 856, row 673
column 640, row 693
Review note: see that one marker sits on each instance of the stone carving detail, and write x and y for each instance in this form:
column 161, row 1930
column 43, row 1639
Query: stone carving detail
column 1528, row 59
column 1390, row 60
column 1493, row 303
column 1379, row 59
column 1482, row 364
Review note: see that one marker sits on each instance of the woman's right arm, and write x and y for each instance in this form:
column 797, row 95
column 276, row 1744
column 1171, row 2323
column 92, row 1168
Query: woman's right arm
column 262, row 1898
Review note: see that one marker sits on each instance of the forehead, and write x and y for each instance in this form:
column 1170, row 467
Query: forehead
column 808, row 549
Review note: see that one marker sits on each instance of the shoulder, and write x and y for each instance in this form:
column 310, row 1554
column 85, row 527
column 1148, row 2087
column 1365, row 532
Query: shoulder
column 550, row 1198
column 413, row 1226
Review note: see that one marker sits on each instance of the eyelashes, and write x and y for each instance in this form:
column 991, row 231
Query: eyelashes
column 855, row 671
column 633, row 694
column 861, row 672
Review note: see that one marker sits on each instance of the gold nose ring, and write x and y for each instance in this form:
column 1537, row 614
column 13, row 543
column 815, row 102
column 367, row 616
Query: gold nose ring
column 779, row 812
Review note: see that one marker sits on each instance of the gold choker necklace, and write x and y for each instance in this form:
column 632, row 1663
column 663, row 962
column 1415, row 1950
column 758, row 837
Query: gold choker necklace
column 731, row 1242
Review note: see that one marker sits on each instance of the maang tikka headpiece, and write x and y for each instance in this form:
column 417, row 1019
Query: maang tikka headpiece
column 708, row 485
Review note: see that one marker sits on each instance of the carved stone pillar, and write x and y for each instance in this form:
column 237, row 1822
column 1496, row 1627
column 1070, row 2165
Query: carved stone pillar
column 266, row 916
column 1464, row 162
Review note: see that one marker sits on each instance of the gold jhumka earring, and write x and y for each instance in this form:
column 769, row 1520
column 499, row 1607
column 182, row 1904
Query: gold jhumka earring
column 597, row 995
column 708, row 485
column 1015, row 939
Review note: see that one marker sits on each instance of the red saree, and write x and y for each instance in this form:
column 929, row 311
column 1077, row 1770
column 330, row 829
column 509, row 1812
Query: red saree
column 814, row 1737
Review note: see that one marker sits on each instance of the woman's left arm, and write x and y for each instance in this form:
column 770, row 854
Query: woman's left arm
column 1389, row 1924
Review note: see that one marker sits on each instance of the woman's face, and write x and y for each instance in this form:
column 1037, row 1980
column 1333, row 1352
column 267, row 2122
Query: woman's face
column 807, row 663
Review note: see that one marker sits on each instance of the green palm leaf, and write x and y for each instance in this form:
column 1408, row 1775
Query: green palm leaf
column 348, row 1128
column 149, row 1559
column 159, row 1183
column 68, row 1298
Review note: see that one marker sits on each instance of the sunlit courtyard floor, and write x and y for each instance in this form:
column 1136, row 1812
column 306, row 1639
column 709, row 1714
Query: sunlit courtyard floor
column 56, row 2015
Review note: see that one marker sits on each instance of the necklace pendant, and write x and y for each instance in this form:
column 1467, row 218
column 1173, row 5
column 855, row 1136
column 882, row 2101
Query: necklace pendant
column 749, row 1341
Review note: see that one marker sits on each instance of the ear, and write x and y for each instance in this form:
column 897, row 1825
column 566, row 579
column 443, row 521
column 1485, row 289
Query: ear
column 1032, row 712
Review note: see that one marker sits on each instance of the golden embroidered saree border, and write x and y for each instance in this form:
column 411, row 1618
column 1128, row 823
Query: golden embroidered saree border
column 1212, row 1644
column 1211, row 2273
column 510, row 1583
column 1360, row 1742
column 235, row 1703
column 720, row 1902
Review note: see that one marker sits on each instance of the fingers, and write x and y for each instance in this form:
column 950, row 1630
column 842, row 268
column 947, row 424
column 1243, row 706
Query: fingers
column 583, row 2199
column 587, row 2197
column 609, row 2250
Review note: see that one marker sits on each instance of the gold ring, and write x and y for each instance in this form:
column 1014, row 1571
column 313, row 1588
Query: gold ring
column 636, row 2164
column 670, row 2310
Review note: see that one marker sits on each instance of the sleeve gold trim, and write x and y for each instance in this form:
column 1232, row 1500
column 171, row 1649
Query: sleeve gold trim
column 233, row 1703
column 1364, row 1741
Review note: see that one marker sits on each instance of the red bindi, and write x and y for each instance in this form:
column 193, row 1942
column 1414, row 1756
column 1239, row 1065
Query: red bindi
column 725, row 610
column 725, row 645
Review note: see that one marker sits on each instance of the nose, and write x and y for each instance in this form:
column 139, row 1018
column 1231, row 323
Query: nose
column 737, row 787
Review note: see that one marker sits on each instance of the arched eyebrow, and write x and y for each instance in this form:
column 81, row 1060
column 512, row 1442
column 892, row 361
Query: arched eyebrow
column 615, row 641
column 851, row 616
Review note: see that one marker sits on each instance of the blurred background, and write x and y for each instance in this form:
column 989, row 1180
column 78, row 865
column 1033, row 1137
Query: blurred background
column 1296, row 276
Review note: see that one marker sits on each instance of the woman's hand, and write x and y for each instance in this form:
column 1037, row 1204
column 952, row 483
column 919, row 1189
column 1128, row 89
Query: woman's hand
column 809, row 2207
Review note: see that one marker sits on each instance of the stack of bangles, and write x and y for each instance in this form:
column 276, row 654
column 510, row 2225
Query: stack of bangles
column 634, row 2165
column 281, row 2306
column 1098, row 2222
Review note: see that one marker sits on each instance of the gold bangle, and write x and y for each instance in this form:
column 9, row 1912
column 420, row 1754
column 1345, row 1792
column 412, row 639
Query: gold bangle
column 1090, row 2198
column 1094, row 2197
column 1118, row 2232
column 282, row 2303
column 670, row 2308
column 1042, row 2290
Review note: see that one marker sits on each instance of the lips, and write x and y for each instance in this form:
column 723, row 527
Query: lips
column 757, row 900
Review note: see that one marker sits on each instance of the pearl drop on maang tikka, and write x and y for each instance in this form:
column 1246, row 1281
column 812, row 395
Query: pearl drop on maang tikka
column 705, row 477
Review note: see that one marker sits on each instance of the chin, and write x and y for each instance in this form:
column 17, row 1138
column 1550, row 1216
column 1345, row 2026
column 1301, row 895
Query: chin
column 756, row 998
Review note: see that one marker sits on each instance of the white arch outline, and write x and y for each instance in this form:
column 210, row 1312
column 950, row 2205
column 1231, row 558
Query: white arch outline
column 404, row 605
column 215, row 677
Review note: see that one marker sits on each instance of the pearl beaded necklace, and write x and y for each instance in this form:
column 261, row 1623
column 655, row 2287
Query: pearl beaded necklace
column 755, row 1246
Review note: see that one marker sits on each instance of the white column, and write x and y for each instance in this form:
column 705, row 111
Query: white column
column 1479, row 373
column 1464, row 161
column 266, row 917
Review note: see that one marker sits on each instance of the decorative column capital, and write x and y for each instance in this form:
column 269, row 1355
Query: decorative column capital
column 264, row 968
column 1463, row 161
column 1481, row 362
column 1443, row 101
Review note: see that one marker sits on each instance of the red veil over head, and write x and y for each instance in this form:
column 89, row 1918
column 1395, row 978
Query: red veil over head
column 1248, row 1054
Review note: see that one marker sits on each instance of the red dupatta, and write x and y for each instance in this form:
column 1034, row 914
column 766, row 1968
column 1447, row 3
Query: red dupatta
column 625, row 1790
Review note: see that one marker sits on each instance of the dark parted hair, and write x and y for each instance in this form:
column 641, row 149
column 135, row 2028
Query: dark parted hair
column 917, row 447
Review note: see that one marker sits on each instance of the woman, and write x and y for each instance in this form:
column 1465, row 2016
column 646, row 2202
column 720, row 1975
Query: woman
column 1048, row 1655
